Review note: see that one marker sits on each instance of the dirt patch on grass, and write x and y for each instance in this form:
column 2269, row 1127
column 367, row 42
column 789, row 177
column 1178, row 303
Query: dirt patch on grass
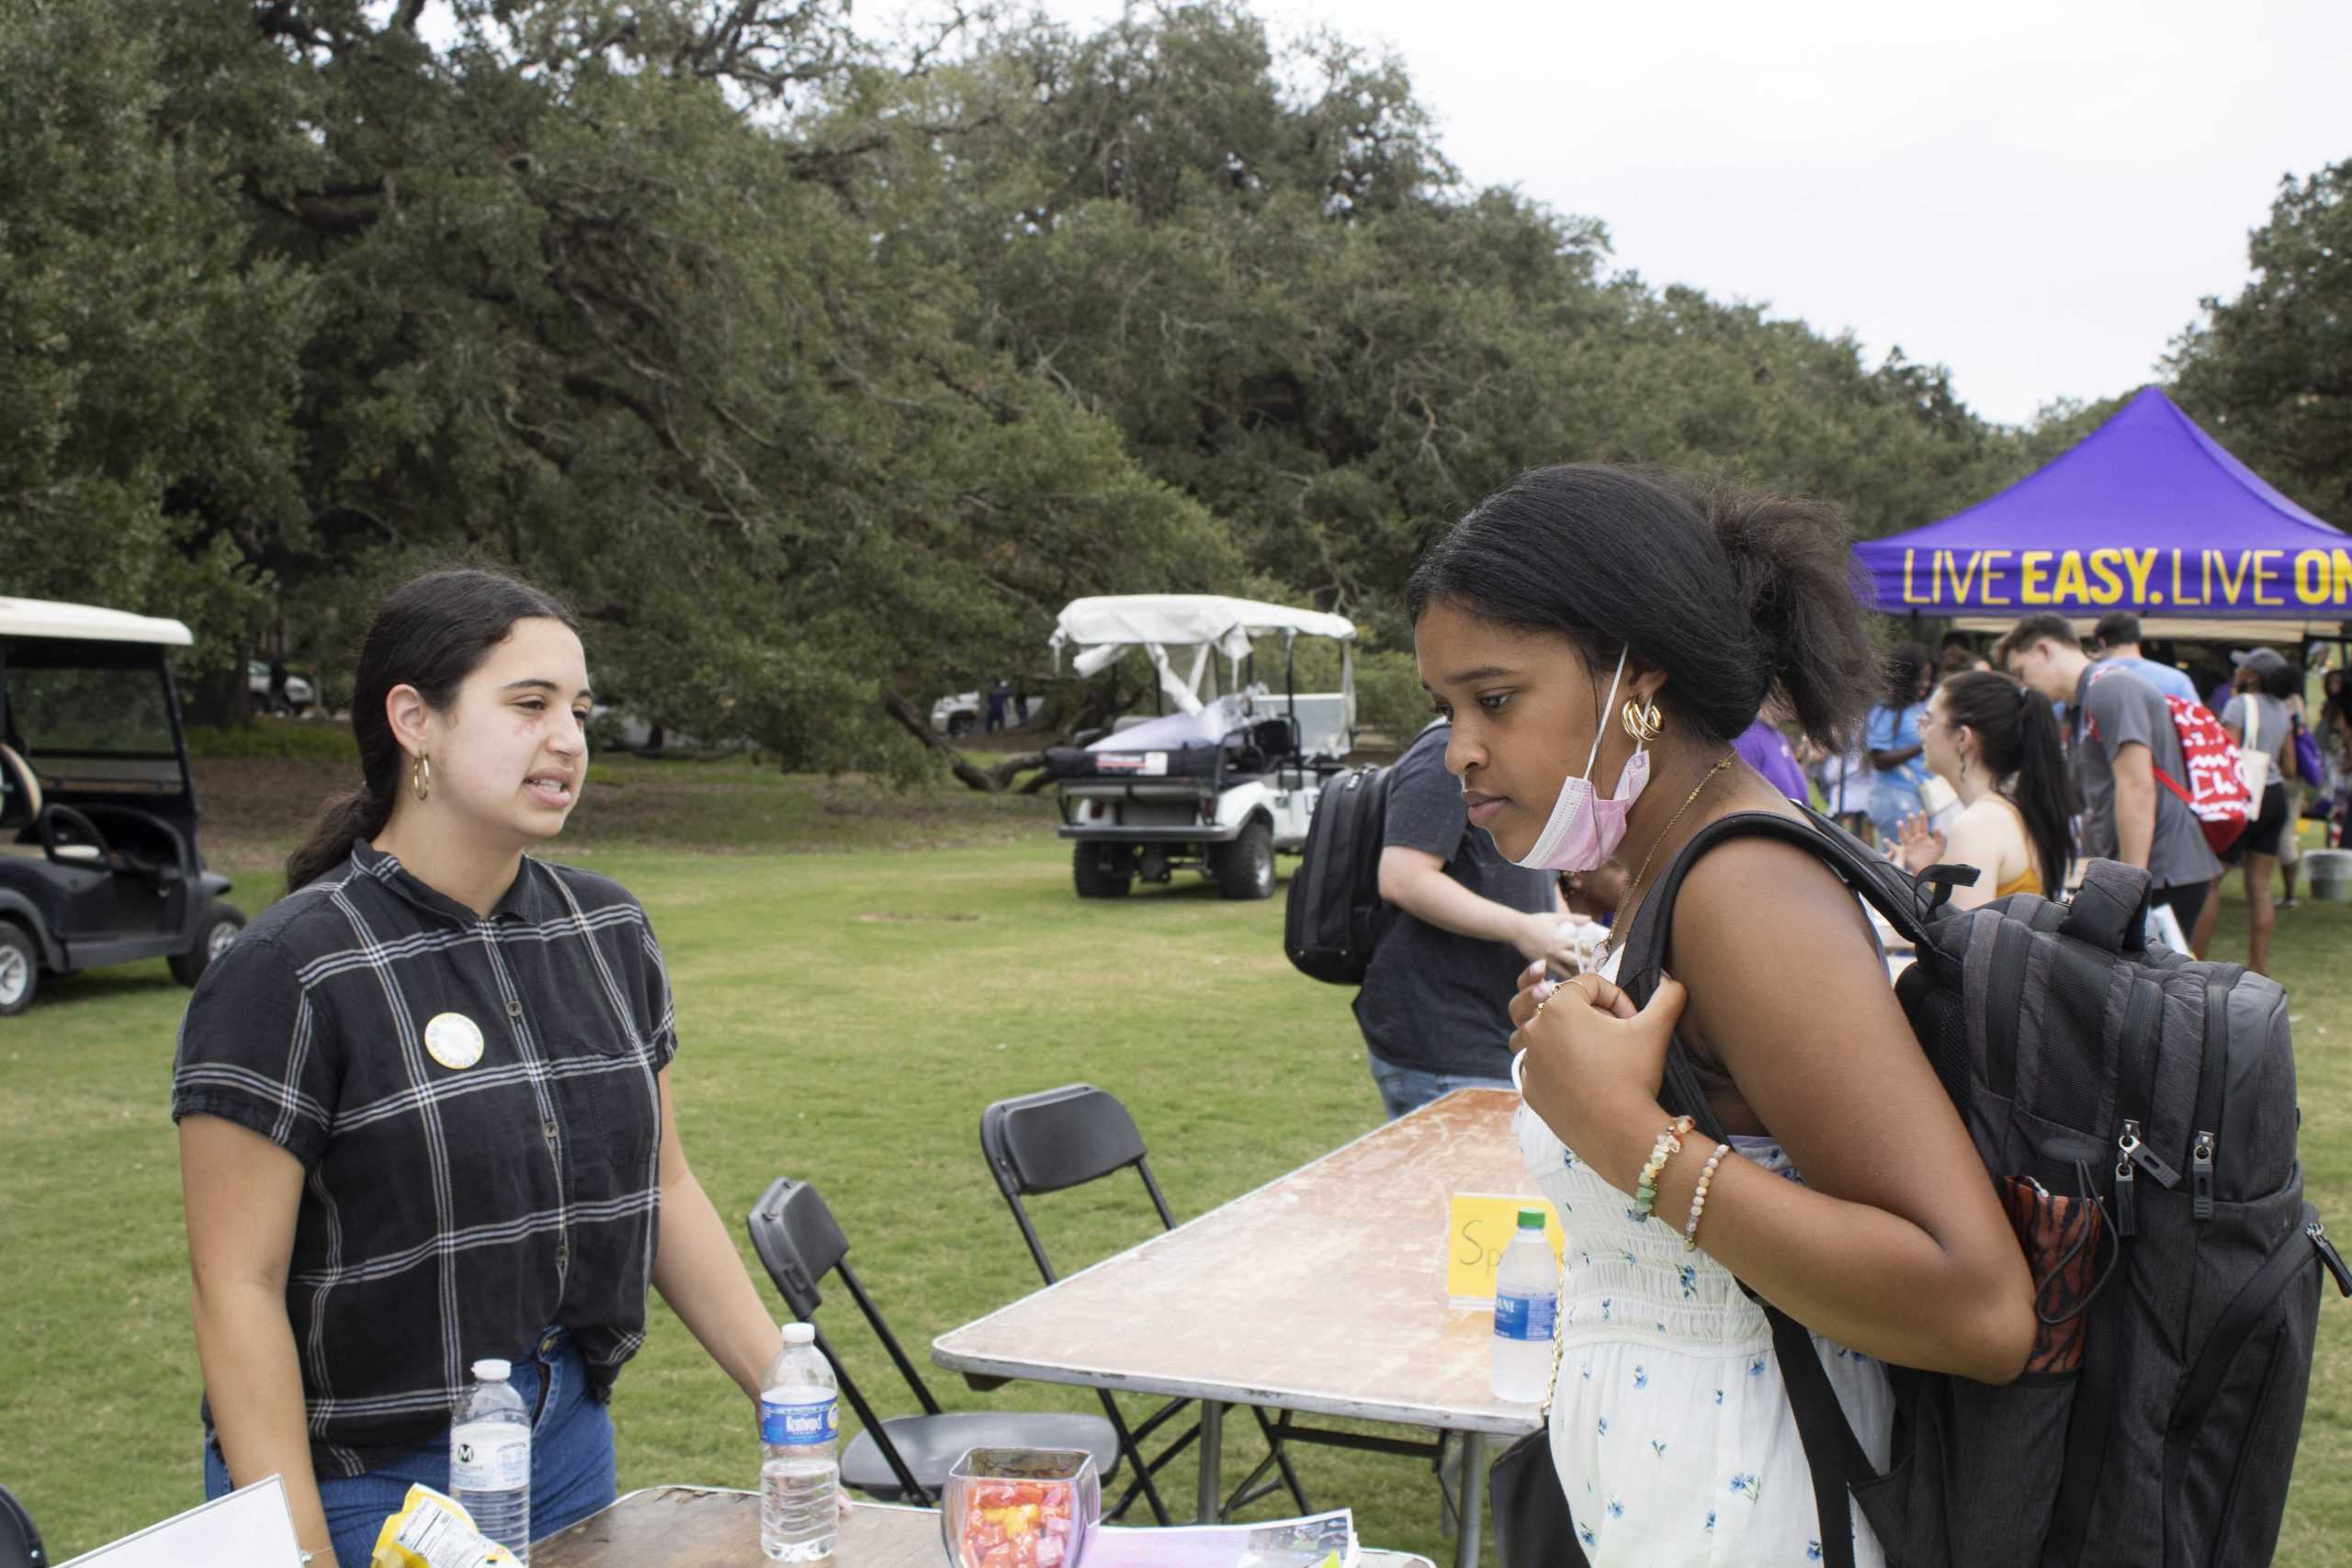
column 257, row 809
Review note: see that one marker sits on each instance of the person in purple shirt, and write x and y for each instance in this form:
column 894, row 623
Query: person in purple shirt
column 1767, row 751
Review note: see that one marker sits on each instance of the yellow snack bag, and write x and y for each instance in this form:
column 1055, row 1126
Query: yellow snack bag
column 434, row 1531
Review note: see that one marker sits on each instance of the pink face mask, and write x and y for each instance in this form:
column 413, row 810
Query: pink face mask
column 1584, row 831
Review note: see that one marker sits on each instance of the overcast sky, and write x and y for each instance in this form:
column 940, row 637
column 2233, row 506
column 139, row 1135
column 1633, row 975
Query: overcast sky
column 2034, row 194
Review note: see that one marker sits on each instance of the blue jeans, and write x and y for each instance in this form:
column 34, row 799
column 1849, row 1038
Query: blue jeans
column 1409, row 1089
column 572, row 1473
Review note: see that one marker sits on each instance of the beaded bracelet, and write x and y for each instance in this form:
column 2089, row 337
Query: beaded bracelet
column 1669, row 1144
column 1698, row 1198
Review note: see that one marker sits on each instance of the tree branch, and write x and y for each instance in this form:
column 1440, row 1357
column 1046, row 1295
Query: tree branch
column 988, row 780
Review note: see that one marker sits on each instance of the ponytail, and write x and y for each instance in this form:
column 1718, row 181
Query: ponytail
column 2043, row 786
column 348, row 819
column 430, row 632
column 2019, row 744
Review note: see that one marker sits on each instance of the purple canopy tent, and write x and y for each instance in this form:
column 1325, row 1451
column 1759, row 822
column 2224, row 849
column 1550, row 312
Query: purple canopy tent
column 2146, row 514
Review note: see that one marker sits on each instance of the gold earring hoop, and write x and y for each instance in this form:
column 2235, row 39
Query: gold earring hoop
column 1641, row 720
column 419, row 778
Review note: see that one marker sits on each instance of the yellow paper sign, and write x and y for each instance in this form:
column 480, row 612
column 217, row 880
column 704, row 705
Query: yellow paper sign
column 1479, row 1227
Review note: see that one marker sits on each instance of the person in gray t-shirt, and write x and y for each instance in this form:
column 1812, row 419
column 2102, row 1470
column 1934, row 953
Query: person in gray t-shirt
column 2120, row 732
column 1462, row 922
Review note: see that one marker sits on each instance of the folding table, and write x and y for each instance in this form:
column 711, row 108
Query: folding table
column 1322, row 1293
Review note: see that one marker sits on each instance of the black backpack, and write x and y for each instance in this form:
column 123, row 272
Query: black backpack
column 2136, row 1108
column 1333, row 917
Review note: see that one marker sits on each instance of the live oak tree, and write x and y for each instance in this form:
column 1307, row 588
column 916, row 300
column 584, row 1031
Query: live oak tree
column 2270, row 371
column 819, row 372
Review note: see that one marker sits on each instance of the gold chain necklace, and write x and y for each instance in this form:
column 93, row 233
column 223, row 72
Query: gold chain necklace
column 1625, row 906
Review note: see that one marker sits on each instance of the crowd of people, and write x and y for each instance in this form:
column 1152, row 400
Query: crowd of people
column 1953, row 768
column 2021, row 761
column 439, row 1049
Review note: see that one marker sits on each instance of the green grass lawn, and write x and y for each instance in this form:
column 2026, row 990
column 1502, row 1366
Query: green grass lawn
column 846, row 1010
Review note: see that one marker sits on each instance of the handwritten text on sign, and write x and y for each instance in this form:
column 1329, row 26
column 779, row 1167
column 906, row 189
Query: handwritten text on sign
column 2187, row 580
column 1479, row 1227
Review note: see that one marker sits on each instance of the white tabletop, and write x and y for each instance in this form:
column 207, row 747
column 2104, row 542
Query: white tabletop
column 1322, row 1291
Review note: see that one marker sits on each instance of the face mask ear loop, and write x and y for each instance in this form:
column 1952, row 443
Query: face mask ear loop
column 1607, row 703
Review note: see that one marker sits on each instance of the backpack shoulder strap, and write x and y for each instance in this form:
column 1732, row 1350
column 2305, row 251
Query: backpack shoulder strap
column 1884, row 885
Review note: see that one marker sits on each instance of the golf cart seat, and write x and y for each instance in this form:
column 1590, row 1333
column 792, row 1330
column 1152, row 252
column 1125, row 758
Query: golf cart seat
column 1258, row 748
column 33, row 841
column 1264, row 745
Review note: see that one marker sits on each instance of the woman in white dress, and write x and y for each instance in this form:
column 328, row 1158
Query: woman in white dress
column 1598, row 637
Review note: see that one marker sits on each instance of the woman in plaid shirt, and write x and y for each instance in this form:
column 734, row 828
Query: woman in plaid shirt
column 424, row 1103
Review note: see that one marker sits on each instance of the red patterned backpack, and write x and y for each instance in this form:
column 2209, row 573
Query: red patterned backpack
column 2215, row 789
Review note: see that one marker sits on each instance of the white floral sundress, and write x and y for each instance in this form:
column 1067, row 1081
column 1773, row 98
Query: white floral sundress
column 1671, row 1430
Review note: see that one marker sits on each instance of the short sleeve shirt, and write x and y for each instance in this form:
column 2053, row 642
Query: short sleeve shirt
column 1432, row 998
column 2269, row 729
column 2110, row 712
column 1897, row 729
column 2166, row 678
column 1766, row 750
column 450, row 1210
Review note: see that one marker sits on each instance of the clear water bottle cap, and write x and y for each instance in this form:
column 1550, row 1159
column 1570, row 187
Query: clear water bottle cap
column 1530, row 1219
column 491, row 1371
column 799, row 1333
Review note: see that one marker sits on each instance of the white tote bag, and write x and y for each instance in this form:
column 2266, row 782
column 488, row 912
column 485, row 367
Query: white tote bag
column 2252, row 761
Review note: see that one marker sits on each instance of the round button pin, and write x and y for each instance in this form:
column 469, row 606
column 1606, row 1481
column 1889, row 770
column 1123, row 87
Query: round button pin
column 453, row 1040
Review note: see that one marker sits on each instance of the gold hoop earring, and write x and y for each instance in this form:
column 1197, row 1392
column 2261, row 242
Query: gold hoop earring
column 419, row 778
column 1642, row 721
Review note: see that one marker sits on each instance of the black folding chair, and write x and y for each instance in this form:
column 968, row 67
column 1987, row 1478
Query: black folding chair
column 19, row 1542
column 1067, row 1137
column 905, row 1459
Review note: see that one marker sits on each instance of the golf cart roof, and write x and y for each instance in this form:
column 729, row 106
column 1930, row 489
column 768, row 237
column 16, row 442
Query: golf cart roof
column 87, row 623
column 1174, row 620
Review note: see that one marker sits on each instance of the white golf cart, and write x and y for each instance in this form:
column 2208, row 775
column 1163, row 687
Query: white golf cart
column 1229, row 778
column 98, row 863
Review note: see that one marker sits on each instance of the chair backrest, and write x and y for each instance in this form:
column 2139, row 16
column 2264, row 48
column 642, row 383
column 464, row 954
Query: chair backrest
column 19, row 1541
column 1060, row 1138
column 800, row 1243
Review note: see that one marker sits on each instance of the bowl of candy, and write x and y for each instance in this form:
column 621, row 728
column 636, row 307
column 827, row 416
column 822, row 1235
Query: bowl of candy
column 1020, row 1507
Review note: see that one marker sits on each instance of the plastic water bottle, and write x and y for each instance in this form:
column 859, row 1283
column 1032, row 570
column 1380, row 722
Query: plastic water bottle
column 490, row 1458
column 800, row 1468
column 1526, row 1285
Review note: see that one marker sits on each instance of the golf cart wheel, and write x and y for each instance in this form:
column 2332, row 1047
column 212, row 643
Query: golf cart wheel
column 219, row 927
column 1245, row 868
column 19, row 968
column 959, row 724
column 1103, row 871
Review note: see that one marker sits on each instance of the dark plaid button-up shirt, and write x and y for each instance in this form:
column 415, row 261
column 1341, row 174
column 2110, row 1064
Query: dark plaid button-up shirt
column 448, row 1212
